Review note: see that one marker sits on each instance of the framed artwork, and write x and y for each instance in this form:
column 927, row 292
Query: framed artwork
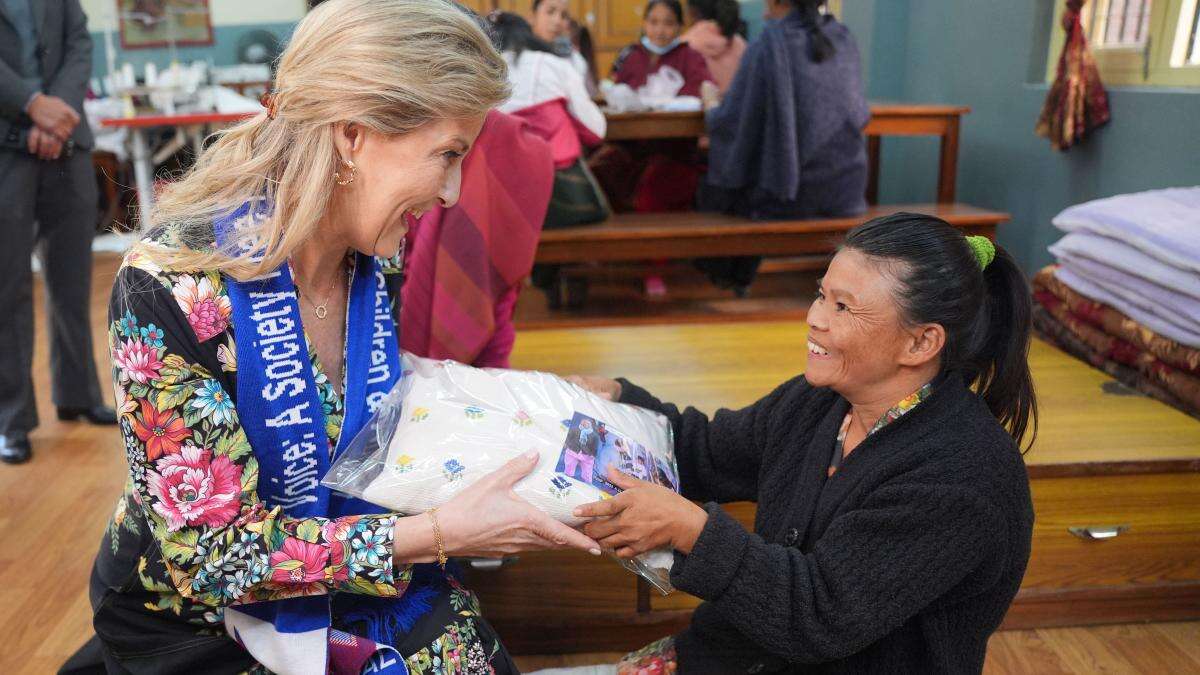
column 161, row 23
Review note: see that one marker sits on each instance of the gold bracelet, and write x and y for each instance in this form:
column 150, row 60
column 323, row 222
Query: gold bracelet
column 437, row 538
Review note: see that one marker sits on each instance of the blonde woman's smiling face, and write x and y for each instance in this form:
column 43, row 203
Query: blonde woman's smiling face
column 397, row 179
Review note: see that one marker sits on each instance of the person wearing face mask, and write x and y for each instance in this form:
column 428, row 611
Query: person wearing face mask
column 252, row 332
column 654, row 175
column 894, row 514
column 551, row 97
column 661, row 47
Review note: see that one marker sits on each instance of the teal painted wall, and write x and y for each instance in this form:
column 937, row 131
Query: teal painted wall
column 223, row 51
column 991, row 56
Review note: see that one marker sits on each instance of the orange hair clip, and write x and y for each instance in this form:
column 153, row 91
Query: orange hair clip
column 270, row 102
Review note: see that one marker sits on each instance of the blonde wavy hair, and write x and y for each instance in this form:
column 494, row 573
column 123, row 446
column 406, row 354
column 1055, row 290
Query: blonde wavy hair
column 388, row 65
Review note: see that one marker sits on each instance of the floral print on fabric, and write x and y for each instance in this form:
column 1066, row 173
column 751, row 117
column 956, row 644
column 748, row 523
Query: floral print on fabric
column 190, row 525
column 459, row 650
column 206, row 310
column 656, row 658
column 195, row 474
column 891, row 415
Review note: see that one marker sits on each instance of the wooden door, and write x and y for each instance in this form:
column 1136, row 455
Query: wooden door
column 613, row 24
column 480, row 7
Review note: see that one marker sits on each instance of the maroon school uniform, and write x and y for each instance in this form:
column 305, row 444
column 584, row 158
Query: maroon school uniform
column 652, row 175
column 635, row 63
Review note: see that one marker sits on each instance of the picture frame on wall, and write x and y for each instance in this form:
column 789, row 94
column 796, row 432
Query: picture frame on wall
column 147, row 24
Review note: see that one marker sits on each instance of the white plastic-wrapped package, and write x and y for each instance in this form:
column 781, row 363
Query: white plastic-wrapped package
column 446, row 425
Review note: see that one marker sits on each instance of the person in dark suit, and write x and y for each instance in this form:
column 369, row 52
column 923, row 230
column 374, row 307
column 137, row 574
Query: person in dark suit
column 49, row 196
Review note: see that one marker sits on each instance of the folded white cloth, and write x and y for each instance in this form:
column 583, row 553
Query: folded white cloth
column 454, row 424
column 1120, row 256
column 1164, row 224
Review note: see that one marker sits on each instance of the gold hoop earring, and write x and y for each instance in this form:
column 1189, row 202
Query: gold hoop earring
column 337, row 176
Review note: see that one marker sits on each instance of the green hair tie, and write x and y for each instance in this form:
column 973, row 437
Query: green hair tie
column 984, row 250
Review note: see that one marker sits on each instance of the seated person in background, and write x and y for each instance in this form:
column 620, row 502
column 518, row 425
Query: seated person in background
column 654, row 175
column 550, row 95
column 661, row 47
column 581, row 41
column 894, row 516
column 465, row 263
column 552, row 24
column 717, row 32
column 787, row 141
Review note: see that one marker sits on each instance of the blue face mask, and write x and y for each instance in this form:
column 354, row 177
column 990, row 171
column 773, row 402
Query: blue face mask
column 562, row 46
column 655, row 49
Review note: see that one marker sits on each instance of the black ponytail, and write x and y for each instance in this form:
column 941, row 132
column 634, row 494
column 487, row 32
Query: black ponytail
column 511, row 32
column 986, row 314
column 1004, row 381
column 820, row 47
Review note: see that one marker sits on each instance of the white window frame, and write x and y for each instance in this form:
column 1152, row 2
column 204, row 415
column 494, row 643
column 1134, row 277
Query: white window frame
column 1157, row 63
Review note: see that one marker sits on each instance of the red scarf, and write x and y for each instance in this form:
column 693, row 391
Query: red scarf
column 463, row 261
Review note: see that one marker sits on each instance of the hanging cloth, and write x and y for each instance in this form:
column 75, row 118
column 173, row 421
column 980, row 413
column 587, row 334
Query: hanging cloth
column 1077, row 103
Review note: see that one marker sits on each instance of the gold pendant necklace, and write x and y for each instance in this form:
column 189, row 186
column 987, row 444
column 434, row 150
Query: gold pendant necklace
column 321, row 311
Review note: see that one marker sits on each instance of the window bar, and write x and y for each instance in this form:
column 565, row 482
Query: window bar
column 1193, row 49
column 1137, row 22
column 1116, row 22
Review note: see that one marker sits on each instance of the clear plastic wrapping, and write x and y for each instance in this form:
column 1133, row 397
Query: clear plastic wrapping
column 446, row 425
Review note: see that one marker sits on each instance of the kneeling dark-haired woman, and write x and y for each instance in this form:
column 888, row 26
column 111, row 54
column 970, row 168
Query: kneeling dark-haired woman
column 894, row 516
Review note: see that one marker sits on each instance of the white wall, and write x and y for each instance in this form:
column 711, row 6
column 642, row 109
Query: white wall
column 101, row 13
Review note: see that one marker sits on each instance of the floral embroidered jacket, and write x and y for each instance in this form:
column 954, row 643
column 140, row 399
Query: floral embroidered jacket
column 189, row 535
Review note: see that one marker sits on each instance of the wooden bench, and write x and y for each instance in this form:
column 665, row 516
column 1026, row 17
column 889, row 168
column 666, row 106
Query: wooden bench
column 798, row 244
column 690, row 234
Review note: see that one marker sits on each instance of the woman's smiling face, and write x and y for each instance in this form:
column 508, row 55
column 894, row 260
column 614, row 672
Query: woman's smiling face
column 398, row 178
column 857, row 338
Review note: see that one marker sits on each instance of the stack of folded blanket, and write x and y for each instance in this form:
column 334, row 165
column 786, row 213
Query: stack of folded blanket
column 1125, row 294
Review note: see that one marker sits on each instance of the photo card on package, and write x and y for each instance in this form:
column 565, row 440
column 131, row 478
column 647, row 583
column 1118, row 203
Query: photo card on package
column 578, row 457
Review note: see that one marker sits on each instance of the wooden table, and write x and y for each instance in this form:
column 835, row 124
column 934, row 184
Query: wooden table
column 887, row 119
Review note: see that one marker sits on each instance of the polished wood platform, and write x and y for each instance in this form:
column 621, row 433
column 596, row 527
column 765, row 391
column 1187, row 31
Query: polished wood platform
column 1105, row 459
column 1124, row 649
column 53, row 510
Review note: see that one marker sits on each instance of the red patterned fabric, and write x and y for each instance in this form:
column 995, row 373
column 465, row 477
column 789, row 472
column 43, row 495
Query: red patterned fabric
column 466, row 263
column 1088, row 329
column 566, row 135
column 1077, row 103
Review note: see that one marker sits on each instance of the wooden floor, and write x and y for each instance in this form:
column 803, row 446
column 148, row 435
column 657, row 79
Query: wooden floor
column 53, row 509
column 1149, row 649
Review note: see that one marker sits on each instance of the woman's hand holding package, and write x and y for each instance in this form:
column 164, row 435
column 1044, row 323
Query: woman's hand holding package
column 600, row 386
column 642, row 518
column 490, row 520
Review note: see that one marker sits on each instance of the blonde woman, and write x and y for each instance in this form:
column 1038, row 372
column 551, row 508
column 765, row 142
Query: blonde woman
column 250, row 335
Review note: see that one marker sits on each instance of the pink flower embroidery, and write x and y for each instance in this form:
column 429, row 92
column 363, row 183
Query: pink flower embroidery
column 299, row 562
column 207, row 312
column 137, row 361
column 192, row 488
column 336, row 533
